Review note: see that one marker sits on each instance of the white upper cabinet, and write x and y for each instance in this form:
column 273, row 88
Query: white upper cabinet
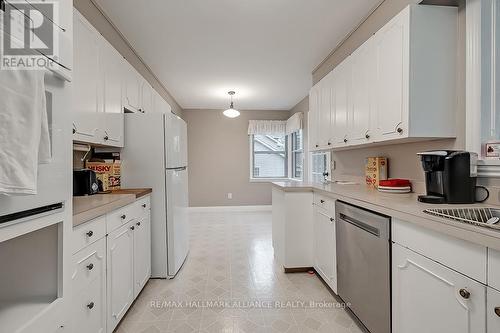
column 325, row 104
column 340, row 111
column 391, row 43
column 146, row 97
column 86, row 85
column 399, row 85
column 160, row 105
column 132, row 88
column 313, row 121
column 363, row 109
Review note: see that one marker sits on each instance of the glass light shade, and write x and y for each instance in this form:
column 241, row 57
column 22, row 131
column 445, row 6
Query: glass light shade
column 231, row 113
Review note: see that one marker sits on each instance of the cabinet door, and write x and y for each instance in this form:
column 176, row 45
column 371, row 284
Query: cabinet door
column 112, row 69
column 146, row 97
column 142, row 253
column 132, row 87
column 89, row 289
column 325, row 101
column 324, row 247
column 114, row 129
column 341, row 87
column 312, row 118
column 493, row 310
column 392, row 79
column 120, row 273
column 429, row 297
column 86, row 85
column 362, row 110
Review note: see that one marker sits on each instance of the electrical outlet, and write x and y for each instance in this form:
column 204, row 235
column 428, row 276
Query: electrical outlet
column 230, row 196
column 334, row 165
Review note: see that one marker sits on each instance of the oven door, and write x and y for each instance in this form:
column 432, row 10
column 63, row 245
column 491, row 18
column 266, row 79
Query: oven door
column 53, row 178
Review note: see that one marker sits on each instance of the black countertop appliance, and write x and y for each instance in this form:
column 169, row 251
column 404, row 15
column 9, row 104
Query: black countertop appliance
column 450, row 177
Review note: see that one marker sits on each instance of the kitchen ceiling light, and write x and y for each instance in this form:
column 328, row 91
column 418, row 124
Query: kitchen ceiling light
column 231, row 112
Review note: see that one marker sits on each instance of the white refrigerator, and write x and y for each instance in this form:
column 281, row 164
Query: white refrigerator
column 155, row 156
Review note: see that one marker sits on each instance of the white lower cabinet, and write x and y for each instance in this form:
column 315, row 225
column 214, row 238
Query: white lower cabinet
column 429, row 297
column 142, row 253
column 325, row 257
column 493, row 310
column 120, row 273
column 89, row 289
column 110, row 272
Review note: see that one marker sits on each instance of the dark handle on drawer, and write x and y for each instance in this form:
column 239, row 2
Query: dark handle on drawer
column 90, row 305
column 106, row 138
column 322, row 201
column 367, row 136
column 345, row 140
column 123, row 217
column 138, row 224
column 132, row 228
column 90, row 233
column 329, row 143
column 497, row 311
column 464, row 293
column 332, row 219
column 317, row 146
column 90, row 266
column 400, row 130
column 144, row 205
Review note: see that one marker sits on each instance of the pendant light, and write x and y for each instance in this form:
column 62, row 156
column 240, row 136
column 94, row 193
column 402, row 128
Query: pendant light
column 231, row 112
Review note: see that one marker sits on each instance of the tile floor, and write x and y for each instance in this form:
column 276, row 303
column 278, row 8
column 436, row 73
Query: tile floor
column 231, row 283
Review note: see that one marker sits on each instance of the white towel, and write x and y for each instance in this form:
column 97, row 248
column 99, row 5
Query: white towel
column 24, row 130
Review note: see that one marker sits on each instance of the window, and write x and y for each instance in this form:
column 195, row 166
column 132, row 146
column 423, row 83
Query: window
column 297, row 152
column 268, row 156
column 320, row 165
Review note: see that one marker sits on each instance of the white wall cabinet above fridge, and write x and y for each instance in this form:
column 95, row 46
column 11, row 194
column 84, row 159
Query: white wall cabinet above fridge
column 105, row 86
column 398, row 86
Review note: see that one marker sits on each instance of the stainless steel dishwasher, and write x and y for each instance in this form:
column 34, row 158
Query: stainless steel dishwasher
column 364, row 265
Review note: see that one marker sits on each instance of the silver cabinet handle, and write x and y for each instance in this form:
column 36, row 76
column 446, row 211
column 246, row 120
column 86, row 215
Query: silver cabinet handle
column 90, row 305
column 90, row 233
column 464, row 293
column 90, row 266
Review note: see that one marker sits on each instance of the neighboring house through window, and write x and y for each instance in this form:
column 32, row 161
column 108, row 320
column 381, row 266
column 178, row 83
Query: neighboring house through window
column 269, row 158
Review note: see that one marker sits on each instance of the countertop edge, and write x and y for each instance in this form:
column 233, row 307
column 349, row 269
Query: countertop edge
column 95, row 212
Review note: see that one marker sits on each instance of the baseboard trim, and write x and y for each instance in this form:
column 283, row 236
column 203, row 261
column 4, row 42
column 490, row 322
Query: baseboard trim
column 262, row 208
column 298, row 269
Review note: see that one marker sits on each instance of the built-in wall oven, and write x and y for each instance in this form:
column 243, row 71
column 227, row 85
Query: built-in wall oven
column 364, row 265
column 53, row 187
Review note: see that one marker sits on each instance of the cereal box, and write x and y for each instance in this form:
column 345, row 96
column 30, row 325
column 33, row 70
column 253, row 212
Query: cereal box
column 108, row 174
column 375, row 170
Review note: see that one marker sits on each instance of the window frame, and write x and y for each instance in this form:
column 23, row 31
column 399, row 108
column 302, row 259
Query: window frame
column 328, row 163
column 292, row 158
column 252, row 161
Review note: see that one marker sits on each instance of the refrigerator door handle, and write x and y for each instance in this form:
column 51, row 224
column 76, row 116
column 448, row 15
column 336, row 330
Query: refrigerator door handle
column 178, row 168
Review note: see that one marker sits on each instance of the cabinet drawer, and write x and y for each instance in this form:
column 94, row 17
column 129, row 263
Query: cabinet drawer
column 88, row 265
column 88, row 309
column 122, row 216
column 492, row 307
column 494, row 269
column 144, row 206
column 89, row 232
column 462, row 256
column 324, row 202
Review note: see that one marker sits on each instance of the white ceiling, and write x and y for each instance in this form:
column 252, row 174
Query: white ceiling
column 265, row 50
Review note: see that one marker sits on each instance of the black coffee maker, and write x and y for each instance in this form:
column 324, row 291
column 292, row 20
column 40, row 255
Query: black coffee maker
column 450, row 177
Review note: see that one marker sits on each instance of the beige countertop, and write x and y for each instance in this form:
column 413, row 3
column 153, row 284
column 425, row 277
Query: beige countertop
column 86, row 208
column 404, row 207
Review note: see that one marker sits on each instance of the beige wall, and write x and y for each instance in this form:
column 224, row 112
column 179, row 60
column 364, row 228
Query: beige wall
column 219, row 158
column 104, row 26
column 403, row 161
